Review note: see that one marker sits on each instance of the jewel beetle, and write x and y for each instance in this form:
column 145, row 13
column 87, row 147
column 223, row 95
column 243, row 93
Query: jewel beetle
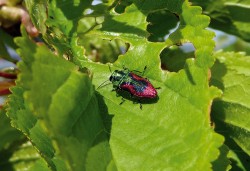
column 138, row 86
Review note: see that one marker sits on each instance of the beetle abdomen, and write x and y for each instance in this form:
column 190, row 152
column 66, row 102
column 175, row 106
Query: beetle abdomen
column 139, row 87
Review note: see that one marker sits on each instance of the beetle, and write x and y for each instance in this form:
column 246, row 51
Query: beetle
column 138, row 86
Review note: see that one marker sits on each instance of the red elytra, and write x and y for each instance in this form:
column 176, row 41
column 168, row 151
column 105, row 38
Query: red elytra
column 139, row 87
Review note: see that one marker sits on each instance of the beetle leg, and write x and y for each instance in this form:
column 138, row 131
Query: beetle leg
column 140, row 104
column 134, row 102
column 122, row 101
column 158, row 88
column 116, row 90
column 144, row 70
column 117, row 95
column 133, row 97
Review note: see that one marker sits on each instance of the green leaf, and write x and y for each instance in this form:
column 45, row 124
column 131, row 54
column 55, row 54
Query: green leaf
column 222, row 163
column 170, row 132
column 39, row 15
column 6, row 40
column 230, row 12
column 62, row 103
column 174, row 58
column 57, row 21
column 150, row 5
column 39, row 165
column 56, row 29
column 17, row 108
column 23, row 120
column 8, row 134
column 238, row 158
column 230, row 112
column 157, row 27
column 21, row 156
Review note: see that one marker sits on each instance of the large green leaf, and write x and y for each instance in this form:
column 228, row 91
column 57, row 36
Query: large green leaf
column 18, row 111
column 231, row 112
column 168, row 133
column 58, row 111
column 23, row 120
column 231, row 13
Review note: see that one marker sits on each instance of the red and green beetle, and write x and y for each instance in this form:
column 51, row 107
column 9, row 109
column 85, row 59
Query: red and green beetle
column 138, row 86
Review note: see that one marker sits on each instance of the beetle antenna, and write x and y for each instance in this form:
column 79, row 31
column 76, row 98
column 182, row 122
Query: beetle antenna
column 103, row 84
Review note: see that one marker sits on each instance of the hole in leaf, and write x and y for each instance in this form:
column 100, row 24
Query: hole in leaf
column 121, row 5
column 88, row 11
column 173, row 58
column 96, row 2
column 187, row 47
column 161, row 24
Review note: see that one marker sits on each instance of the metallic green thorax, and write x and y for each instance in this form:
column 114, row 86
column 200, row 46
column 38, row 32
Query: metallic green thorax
column 118, row 77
